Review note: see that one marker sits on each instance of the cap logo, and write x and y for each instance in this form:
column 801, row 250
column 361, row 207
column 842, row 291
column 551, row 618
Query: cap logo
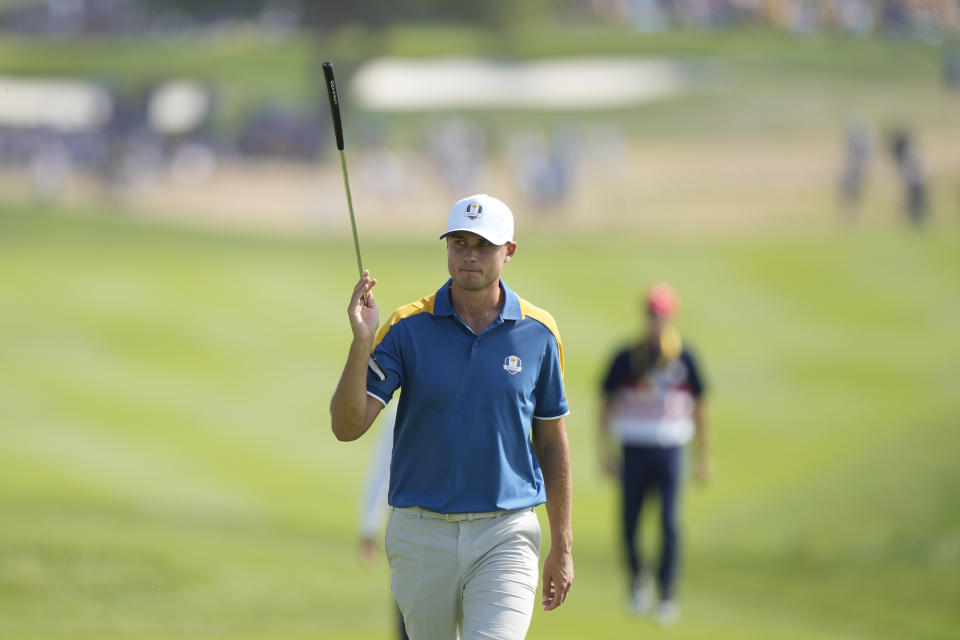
column 474, row 209
column 512, row 365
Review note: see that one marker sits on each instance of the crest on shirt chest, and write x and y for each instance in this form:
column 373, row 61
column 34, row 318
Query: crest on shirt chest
column 512, row 365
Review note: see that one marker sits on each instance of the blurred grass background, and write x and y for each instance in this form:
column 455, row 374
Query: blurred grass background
column 166, row 465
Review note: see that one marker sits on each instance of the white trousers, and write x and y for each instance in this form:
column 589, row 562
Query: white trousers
column 468, row 579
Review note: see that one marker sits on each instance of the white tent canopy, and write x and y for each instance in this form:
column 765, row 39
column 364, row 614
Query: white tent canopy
column 393, row 84
column 176, row 106
column 67, row 105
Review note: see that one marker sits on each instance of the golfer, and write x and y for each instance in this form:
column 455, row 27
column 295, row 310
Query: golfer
column 653, row 406
column 479, row 439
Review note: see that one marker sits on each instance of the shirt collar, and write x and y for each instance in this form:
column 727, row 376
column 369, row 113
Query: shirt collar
column 511, row 306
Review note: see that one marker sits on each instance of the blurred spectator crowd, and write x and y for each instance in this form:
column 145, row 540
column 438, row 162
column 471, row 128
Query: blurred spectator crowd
column 130, row 136
column 71, row 18
column 924, row 19
column 164, row 132
column 127, row 136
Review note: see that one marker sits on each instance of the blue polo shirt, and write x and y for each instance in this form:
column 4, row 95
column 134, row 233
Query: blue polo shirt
column 462, row 437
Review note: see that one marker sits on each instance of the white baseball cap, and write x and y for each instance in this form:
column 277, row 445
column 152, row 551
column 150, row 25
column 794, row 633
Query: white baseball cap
column 483, row 215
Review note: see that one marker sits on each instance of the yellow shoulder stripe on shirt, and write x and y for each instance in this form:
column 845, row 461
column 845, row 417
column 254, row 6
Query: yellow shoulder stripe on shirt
column 543, row 317
column 423, row 305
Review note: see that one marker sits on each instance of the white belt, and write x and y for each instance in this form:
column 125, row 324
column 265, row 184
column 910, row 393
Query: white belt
column 456, row 517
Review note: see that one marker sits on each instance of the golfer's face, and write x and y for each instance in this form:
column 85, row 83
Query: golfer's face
column 656, row 323
column 474, row 262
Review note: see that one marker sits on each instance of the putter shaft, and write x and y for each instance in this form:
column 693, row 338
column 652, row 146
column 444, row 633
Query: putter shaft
column 353, row 219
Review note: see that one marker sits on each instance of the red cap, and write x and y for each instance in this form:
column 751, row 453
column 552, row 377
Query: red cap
column 662, row 299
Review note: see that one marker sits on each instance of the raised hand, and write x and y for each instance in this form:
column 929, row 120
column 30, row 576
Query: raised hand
column 363, row 311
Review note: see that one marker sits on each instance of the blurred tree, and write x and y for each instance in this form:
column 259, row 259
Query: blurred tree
column 329, row 14
column 377, row 13
column 210, row 10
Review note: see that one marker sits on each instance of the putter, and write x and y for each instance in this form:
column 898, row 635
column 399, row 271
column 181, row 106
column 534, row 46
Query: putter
column 338, row 132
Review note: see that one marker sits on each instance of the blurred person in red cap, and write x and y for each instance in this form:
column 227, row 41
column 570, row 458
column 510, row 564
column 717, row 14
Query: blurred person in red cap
column 652, row 406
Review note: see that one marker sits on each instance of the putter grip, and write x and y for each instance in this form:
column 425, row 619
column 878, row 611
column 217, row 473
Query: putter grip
column 334, row 102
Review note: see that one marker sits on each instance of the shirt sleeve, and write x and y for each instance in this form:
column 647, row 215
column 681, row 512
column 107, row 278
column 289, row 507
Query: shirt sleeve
column 549, row 393
column 617, row 373
column 387, row 358
column 697, row 385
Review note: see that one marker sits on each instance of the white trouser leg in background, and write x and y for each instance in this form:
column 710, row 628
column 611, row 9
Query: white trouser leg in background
column 472, row 579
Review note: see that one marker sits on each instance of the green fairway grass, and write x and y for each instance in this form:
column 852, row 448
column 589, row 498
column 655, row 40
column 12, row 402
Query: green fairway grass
column 167, row 467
